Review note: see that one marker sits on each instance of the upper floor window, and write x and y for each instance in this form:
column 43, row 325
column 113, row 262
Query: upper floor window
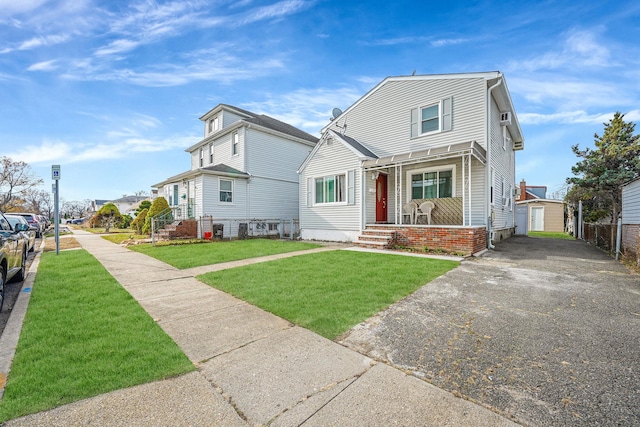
column 226, row 190
column 431, row 118
column 211, row 153
column 234, row 143
column 432, row 184
column 331, row 189
column 214, row 124
column 201, row 156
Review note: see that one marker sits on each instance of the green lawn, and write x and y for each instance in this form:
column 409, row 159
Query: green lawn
column 83, row 335
column 329, row 292
column 187, row 256
column 551, row 235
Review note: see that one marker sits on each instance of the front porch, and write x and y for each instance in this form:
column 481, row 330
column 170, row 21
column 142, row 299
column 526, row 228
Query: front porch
column 461, row 240
column 428, row 200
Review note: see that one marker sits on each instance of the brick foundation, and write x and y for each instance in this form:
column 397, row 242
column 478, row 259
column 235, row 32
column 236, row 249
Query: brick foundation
column 464, row 240
column 631, row 242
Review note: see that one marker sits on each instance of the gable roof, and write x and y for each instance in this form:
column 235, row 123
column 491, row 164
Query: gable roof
column 275, row 124
column 219, row 169
column 362, row 152
column 491, row 77
column 251, row 119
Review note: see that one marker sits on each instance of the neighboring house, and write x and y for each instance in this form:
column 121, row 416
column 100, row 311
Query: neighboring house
column 97, row 204
column 448, row 139
column 244, row 168
column 127, row 205
column 631, row 220
column 534, row 212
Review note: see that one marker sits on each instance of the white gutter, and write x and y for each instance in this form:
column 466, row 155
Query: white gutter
column 488, row 168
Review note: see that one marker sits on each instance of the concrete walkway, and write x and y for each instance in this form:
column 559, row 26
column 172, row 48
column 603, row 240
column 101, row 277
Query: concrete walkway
column 253, row 368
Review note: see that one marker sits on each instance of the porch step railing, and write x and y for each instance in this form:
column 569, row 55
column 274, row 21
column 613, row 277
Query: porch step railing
column 376, row 238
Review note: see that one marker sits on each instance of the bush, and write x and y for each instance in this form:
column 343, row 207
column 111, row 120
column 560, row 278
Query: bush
column 108, row 216
column 138, row 223
column 159, row 205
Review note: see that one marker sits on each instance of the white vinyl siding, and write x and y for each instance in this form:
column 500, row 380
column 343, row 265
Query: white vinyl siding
column 391, row 136
column 431, row 118
column 331, row 160
column 503, row 164
column 631, row 203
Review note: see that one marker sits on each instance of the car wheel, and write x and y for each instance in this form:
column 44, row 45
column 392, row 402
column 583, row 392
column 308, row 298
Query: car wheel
column 2, row 276
column 23, row 269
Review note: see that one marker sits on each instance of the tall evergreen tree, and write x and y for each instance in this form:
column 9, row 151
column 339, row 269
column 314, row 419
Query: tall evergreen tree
column 604, row 170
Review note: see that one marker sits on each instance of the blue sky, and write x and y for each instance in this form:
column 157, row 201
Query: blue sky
column 112, row 90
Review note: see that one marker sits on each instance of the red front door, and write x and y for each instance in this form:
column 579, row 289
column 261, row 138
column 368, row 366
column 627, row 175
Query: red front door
column 381, row 198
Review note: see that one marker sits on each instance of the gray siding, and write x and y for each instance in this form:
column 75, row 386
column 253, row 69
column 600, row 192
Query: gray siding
column 383, row 121
column 328, row 160
column 503, row 162
column 267, row 155
column 272, row 199
column 212, row 204
column 631, row 203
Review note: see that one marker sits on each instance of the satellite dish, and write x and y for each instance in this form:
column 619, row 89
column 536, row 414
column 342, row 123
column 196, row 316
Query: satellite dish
column 336, row 113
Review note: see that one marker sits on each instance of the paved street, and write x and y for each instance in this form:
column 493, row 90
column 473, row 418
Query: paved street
column 544, row 331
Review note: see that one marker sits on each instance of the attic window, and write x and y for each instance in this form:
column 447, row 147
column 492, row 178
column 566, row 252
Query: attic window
column 214, row 124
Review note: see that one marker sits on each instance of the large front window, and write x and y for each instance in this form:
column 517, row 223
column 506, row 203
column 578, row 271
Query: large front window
column 331, row 189
column 432, row 184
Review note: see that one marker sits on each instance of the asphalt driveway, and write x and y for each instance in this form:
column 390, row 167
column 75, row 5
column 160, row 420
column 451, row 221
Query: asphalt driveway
column 541, row 330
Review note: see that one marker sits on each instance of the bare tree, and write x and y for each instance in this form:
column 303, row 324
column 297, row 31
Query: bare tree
column 16, row 180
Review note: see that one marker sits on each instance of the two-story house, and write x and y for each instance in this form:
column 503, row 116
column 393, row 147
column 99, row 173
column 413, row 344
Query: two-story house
column 426, row 161
column 245, row 167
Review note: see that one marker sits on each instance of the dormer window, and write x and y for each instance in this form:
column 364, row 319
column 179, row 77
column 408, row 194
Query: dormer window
column 214, row 124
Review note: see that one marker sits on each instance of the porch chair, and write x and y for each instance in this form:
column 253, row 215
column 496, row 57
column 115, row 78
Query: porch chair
column 410, row 209
column 425, row 208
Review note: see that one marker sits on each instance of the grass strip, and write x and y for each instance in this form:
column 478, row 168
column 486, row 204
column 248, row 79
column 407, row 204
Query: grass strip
column 121, row 237
column 328, row 292
column 188, row 256
column 83, row 335
column 551, row 235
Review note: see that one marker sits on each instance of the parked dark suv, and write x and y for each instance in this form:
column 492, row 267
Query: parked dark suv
column 13, row 253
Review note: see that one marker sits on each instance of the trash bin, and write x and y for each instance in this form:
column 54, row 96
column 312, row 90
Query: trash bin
column 218, row 231
column 243, row 230
column 207, row 235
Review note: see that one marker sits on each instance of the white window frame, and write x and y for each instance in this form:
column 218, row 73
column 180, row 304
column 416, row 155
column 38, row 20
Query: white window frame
column 235, row 140
column 345, row 190
column 211, row 153
column 451, row 167
column 438, row 118
column 493, row 186
column 232, row 190
column 201, row 156
column 214, row 124
column 445, row 117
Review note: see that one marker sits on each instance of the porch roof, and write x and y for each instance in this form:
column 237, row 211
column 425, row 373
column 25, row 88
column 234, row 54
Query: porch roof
column 434, row 153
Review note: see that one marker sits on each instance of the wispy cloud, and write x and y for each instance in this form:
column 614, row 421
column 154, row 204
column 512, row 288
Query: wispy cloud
column 43, row 66
column 275, row 11
column 579, row 49
column 139, row 134
column 566, row 117
column 12, row 7
column 447, row 42
column 308, row 109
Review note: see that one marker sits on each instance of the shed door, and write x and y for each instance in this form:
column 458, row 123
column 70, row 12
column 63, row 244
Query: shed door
column 537, row 218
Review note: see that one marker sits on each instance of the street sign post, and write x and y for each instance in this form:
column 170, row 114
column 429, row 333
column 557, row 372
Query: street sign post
column 55, row 175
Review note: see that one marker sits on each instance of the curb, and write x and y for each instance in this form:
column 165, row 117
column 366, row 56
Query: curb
column 13, row 328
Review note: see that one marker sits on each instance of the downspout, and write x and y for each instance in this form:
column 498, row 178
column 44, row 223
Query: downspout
column 488, row 168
